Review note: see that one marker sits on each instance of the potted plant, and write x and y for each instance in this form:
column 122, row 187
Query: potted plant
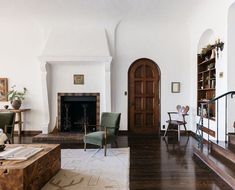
column 16, row 97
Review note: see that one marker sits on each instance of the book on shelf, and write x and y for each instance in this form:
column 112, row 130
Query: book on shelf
column 19, row 153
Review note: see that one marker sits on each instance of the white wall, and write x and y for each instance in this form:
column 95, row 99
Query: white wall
column 231, row 62
column 76, row 41
column 168, row 32
column 20, row 45
column 162, row 42
column 61, row 75
column 150, row 29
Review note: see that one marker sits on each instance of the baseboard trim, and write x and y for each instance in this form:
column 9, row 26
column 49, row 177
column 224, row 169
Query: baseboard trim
column 181, row 132
column 27, row 133
column 122, row 133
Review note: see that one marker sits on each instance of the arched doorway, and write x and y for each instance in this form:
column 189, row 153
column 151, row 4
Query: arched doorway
column 144, row 97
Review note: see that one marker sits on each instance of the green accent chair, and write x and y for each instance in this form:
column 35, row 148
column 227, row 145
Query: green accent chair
column 109, row 127
column 7, row 123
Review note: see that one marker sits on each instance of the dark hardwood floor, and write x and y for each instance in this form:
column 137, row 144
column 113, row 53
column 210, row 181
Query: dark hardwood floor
column 156, row 163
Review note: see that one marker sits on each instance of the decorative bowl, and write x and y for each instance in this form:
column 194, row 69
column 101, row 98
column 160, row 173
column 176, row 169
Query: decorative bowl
column 2, row 147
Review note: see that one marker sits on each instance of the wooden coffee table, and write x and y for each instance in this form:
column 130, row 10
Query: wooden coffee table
column 31, row 174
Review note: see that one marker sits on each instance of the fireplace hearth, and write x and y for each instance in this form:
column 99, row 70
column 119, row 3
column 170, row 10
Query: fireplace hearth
column 75, row 110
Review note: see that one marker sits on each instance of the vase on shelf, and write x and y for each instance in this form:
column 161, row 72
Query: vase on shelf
column 16, row 104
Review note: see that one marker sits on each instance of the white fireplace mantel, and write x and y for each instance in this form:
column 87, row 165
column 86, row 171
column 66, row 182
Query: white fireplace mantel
column 53, row 60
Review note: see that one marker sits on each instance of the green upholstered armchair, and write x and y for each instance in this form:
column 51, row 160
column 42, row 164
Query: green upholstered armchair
column 109, row 128
column 7, row 123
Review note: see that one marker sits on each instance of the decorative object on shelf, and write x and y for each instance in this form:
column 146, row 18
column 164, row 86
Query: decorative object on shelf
column 213, row 52
column 78, row 79
column 204, row 112
column 3, row 89
column 207, row 58
column 16, row 97
column 219, row 45
column 208, row 82
column 199, row 110
column 206, row 49
column 175, row 87
column 210, row 66
column 213, row 84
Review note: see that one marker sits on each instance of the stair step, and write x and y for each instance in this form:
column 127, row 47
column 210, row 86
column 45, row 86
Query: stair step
column 224, row 171
column 231, row 138
column 224, row 150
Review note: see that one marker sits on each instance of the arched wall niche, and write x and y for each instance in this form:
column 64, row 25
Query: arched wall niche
column 206, row 38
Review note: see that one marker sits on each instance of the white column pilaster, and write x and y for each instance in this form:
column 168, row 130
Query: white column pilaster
column 46, row 114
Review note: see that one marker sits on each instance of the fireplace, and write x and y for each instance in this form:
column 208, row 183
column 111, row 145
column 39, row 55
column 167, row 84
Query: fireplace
column 77, row 109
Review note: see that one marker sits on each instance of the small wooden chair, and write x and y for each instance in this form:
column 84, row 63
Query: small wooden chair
column 179, row 120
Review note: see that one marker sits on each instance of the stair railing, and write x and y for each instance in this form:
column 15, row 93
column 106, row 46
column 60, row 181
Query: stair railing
column 200, row 125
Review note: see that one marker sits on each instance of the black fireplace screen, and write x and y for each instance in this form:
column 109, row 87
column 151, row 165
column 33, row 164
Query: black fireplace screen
column 76, row 111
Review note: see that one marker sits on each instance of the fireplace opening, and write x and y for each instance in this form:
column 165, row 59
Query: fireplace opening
column 77, row 110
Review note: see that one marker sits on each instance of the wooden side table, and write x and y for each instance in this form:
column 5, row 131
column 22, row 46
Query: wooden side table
column 19, row 117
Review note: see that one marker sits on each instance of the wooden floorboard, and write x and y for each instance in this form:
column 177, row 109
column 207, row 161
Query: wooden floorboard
column 156, row 163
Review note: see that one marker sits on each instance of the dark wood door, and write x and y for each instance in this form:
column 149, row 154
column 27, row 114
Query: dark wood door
column 144, row 97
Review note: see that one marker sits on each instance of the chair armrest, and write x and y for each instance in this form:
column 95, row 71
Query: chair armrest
column 183, row 115
column 173, row 112
column 106, row 130
column 169, row 113
column 108, row 127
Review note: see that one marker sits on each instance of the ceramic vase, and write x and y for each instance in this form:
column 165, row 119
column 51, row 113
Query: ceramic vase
column 16, row 104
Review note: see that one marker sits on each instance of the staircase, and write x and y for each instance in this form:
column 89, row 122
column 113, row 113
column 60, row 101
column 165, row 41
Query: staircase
column 218, row 155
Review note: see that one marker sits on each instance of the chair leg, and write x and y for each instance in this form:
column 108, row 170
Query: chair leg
column 178, row 132
column 185, row 129
column 84, row 146
column 166, row 130
column 105, row 149
column 116, row 144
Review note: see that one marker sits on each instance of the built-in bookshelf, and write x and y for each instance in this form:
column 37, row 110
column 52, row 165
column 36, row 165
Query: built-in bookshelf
column 206, row 79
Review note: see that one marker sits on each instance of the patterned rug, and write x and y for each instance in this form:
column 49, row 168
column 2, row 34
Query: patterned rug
column 88, row 170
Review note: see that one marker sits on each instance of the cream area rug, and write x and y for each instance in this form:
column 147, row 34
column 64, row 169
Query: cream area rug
column 88, row 170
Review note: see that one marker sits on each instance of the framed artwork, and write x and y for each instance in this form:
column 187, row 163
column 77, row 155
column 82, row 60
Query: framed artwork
column 78, row 79
column 175, row 87
column 3, row 89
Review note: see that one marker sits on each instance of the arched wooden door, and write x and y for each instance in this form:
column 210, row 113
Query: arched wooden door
column 144, row 97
